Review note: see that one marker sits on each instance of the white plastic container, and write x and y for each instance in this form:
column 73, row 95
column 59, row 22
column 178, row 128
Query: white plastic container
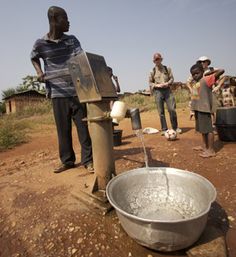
column 118, row 111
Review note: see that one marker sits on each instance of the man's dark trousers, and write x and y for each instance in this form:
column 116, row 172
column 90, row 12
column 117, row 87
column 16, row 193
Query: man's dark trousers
column 65, row 110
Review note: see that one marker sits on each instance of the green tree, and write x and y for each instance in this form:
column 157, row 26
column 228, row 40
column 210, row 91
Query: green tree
column 8, row 92
column 21, row 88
column 2, row 108
column 30, row 82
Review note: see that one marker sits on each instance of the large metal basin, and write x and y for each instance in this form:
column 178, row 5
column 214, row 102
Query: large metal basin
column 164, row 209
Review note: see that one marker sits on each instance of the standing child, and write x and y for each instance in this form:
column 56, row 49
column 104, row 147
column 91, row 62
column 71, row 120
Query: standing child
column 205, row 62
column 201, row 103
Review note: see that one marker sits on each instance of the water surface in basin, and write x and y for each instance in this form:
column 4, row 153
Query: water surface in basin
column 160, row 204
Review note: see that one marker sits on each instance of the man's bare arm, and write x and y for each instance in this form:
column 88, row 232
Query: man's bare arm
column 37, row 65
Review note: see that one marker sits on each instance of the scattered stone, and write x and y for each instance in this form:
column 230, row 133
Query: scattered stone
column 42, row 154
column 69, row 250
column 54, row 225
column 230, row 218
column 2, row 164
column 16, row 255
column 103, row 236
column 50, row 246
column 80, row 240
column 71, row 229
column 74, row 250
column 211, row 244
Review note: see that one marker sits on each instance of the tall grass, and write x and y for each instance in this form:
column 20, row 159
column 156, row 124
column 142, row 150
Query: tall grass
column 147, row 103
column 144, row 103
column 14, row 128
column 12, row 133
column 182, row 97
column 44, row 107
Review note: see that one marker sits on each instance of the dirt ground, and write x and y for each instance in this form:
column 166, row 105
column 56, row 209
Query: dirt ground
column 41, row 217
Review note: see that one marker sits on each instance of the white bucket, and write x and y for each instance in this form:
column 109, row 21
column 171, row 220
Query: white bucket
column 118, row 111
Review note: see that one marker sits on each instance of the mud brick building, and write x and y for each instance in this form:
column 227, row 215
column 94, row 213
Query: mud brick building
column 19, row 101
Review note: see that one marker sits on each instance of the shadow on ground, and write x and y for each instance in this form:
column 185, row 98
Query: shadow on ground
column 130, row 155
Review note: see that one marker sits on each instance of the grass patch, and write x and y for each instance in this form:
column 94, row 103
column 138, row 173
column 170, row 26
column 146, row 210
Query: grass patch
column 182, row 96
column 12, row 133
column 44, row 107
column 36, row 115
column 144, row 103
column 147, row 103
column 15, row 128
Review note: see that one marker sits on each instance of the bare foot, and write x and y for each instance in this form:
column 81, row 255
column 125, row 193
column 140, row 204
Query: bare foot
column 198, row 148
column 207, row 154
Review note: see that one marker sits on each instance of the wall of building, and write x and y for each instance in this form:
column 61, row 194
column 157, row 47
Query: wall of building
column 10, row 106
column 17, row 104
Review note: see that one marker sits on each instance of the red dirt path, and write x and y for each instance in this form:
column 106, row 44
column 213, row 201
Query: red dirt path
column 39, row 216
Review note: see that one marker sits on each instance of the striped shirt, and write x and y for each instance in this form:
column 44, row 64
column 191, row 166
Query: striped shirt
column 55, row 55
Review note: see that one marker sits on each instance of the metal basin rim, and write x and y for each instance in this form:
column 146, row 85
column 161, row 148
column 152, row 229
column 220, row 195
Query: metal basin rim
column 152, row 170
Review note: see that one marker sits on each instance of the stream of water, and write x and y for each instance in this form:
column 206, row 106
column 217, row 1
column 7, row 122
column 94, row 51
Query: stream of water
column 169, row 209
column 167, row 186
column 139, row 134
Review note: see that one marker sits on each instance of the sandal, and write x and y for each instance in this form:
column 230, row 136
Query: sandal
column 207, row 155
column 89, row 167
column 198, row 148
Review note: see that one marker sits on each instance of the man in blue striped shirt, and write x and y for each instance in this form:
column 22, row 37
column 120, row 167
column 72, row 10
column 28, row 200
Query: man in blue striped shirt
column 56, row 49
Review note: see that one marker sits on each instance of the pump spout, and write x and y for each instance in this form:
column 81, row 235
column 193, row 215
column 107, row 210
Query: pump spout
column 120, row 111
column 134, row 114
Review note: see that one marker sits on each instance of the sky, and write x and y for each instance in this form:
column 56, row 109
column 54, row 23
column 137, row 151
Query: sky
column 127, row 33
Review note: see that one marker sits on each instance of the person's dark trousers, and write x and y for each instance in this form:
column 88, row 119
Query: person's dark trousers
column 65, row 110
column 161, row 96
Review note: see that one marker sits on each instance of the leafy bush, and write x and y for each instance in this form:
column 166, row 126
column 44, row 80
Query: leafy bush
column 144, row 103
column 182, row 96
column 147, row 103
column 15, row 127
column 11, row 133
column 8, row 92
column 2, row 108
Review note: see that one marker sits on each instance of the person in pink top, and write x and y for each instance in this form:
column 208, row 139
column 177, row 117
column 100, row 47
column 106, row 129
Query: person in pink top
column 202, row 104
